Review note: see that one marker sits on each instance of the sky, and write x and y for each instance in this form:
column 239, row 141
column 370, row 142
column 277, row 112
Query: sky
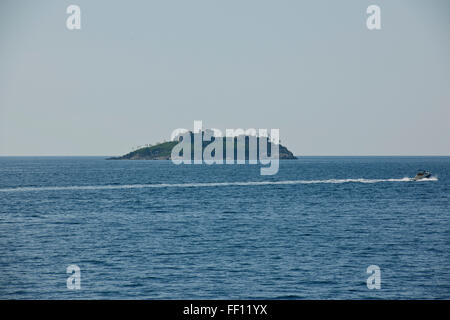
column 137, row 70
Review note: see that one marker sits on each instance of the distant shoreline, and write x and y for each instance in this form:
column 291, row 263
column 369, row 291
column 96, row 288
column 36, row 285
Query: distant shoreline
column 296, row 156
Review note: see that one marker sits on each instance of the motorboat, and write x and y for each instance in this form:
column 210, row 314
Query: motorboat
column 422, row 174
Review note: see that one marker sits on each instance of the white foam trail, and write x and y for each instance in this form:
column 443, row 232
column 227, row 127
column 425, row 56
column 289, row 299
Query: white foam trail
column 207, row 184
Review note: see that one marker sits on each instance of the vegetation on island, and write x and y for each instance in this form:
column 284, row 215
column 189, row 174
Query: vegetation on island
column 162, row 151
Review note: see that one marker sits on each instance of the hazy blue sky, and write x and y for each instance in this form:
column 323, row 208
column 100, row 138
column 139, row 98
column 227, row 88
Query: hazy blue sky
column 139, row 69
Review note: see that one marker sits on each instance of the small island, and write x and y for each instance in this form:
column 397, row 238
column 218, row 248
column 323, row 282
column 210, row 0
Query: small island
column 162, row 151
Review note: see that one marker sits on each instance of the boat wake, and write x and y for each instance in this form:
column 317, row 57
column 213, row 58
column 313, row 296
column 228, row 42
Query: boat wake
column 208, row 184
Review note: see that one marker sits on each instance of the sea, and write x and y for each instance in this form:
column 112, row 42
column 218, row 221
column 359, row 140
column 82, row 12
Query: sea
column 155, row 230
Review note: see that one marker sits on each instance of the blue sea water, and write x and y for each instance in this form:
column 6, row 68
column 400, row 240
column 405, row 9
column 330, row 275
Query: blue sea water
column 154, row 230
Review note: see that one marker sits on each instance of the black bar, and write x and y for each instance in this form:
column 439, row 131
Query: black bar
column 227, row 309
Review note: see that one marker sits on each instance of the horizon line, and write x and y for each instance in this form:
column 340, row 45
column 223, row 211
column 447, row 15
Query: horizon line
column 298, row 156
